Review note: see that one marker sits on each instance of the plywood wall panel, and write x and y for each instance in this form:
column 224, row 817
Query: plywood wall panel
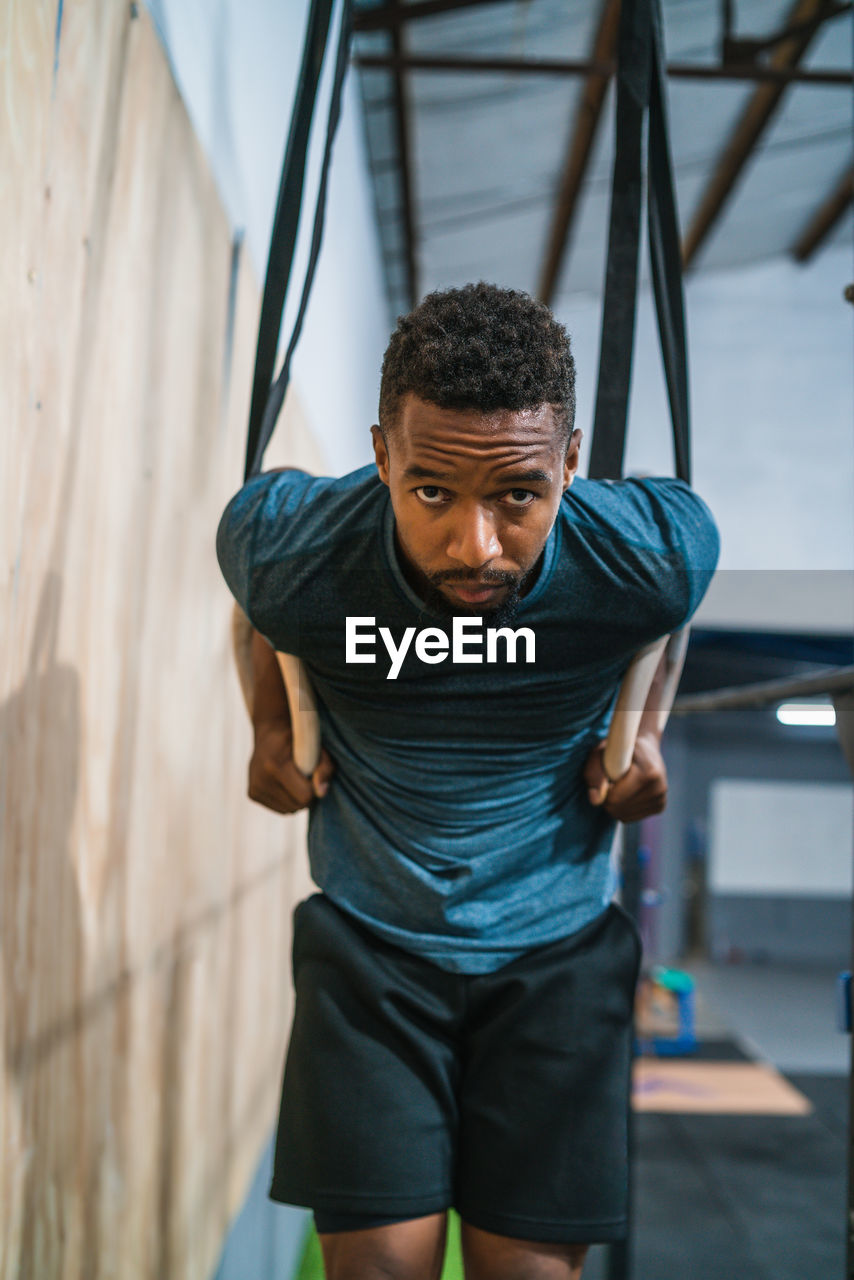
column 144, row 901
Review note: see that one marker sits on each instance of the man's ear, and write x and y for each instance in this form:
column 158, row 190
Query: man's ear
column 380, row 453
column 570, row 462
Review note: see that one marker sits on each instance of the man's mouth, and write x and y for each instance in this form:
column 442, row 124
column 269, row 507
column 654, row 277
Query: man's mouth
column 495, row 597
column 475, row 593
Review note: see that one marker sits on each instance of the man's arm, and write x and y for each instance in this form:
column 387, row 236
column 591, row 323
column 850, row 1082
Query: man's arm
column 269, row 700
column 274, row 779
column 642, row 790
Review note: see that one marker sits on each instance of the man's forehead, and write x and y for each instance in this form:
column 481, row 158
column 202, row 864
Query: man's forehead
column 423, row 424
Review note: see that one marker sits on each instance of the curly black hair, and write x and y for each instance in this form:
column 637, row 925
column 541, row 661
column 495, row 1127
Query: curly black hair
column 479, row 347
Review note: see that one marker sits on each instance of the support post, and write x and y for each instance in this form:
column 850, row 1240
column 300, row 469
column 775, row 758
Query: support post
column 843, row 703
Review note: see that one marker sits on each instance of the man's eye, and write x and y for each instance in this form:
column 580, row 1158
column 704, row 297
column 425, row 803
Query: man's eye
column 520, row 497
column 431, row 494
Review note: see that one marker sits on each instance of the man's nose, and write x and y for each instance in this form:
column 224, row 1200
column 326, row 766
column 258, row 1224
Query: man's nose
column 474, row 541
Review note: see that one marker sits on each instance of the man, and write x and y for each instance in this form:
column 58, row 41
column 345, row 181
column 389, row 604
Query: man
column 464, row 982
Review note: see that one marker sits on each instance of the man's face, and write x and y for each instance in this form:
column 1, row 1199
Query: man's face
column 474, row 497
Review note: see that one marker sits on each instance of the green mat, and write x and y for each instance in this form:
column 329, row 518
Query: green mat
column 311, row 1266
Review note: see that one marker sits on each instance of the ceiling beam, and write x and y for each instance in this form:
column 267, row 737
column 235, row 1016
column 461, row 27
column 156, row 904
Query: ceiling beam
column 749, row 48
column 580, row 149
column 404, row 152
column 749, row 128
column 778, row 76
column 825, row 218
column 385, row 16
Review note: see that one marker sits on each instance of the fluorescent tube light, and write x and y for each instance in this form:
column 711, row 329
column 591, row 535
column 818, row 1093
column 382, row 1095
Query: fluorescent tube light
column 807, row 713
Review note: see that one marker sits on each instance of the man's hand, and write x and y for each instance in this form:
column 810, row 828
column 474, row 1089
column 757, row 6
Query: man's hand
column 642, row 790
column 274, row 779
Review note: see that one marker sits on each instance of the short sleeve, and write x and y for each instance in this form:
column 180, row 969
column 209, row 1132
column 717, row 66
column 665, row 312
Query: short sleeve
column 649, row 547
column 687, row 527
column 263, row 523
column 284, row 541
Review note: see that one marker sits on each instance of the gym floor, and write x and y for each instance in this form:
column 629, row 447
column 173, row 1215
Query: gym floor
column 752, row 1196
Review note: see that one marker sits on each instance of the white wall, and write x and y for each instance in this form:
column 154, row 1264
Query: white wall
column 236, row 64
column 781, row 838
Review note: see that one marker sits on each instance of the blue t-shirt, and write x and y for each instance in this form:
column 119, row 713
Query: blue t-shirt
column 457, row 823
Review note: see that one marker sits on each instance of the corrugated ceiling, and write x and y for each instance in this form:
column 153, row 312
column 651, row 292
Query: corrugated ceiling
column 486, row 150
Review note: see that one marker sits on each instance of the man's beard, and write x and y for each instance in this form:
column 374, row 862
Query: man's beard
column 499, row 615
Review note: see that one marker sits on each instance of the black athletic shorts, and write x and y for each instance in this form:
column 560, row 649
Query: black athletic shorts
column 409, row 1089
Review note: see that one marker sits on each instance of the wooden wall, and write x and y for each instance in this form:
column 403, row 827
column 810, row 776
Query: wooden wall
column 144, row 901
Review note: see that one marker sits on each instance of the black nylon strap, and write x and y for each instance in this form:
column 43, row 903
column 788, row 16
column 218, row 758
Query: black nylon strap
column 277, row 393
column 286, row 220
column 666, row 258
column 640, row 89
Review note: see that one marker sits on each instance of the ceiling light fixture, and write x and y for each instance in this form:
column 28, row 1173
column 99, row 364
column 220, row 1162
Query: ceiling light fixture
column 807, row 713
